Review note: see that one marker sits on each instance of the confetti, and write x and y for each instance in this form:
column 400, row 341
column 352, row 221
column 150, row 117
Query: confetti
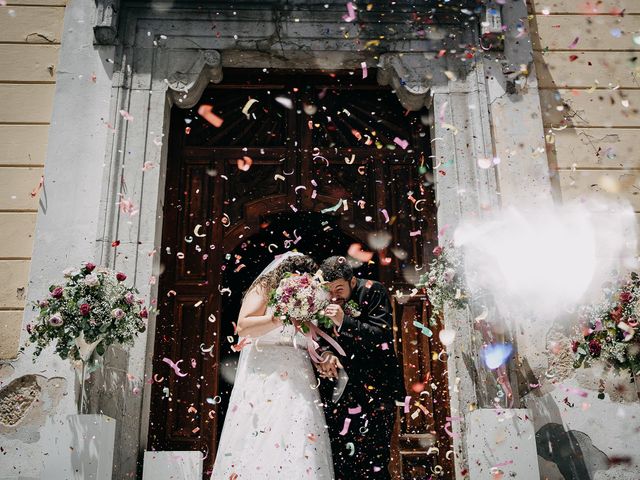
column 244, row 163
column 494, row 356
column 175, row 366
column 285, row 102
column 401, row 143
column 126, row 115
column 206, row 112
column 363, row 65
column 247, row 106
column 350, row 16
column 356, row 251
column 35, row 191
column 345, row 427
column 354, row 410
column 446, row 336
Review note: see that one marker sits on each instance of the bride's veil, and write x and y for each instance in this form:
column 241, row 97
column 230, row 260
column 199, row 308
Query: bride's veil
column 241, row 369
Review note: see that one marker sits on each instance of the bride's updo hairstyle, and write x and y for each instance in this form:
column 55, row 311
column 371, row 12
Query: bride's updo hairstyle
column 293, row 264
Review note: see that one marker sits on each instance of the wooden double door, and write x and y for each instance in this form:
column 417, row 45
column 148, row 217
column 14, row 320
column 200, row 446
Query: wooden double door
column 312, row 163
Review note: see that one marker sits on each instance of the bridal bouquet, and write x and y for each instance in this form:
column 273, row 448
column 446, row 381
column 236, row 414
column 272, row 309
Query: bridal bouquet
column 300, row 299
column 303, row 298
column 92, row 308
column 610, row 329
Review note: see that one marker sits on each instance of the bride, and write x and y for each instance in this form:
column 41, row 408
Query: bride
column 275, row 426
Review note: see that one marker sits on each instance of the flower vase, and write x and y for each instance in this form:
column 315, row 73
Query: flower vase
column 85, row 351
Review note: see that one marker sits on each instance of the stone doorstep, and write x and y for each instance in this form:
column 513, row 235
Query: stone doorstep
column 172, row 465
column 78, row 447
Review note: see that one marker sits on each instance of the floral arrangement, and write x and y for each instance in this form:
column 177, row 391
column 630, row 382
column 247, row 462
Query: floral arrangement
column 93, row 308
column 444, row 282
column 300, row 299
column 610, row 329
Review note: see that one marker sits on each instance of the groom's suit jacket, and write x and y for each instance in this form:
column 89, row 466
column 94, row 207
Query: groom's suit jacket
column 371, row 361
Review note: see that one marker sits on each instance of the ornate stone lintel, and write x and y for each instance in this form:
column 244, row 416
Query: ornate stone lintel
column 105, row 28
column 412, row 75
column 188, row 72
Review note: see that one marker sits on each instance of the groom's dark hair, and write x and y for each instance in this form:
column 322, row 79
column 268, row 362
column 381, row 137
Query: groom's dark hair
column 335, row 268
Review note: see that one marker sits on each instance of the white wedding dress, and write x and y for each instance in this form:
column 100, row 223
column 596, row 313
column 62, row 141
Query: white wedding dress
column 275, row 426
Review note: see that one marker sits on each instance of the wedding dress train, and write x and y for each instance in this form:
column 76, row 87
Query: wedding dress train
column 275, row 426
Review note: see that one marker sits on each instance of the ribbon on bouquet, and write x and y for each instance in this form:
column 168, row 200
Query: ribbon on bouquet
column 312, row 336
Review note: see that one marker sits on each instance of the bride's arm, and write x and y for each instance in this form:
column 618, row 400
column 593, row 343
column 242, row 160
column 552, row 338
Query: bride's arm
column 254, row 318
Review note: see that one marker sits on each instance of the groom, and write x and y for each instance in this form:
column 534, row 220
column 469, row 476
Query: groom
column 361, row 422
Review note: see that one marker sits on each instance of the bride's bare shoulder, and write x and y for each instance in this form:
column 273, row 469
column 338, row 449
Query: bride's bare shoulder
column 255, row 295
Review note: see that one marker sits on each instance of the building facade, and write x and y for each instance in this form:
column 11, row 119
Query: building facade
column 128, row 69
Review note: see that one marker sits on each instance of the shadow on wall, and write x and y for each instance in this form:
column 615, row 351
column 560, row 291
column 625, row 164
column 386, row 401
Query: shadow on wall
column 572, row 451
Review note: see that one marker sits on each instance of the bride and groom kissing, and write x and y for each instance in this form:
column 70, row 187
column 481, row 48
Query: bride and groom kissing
column 285, row 422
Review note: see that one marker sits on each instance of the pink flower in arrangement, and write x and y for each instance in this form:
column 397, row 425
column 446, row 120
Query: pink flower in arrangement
column 595, row 348
column 85, row 309
column 118, row 313
column 121, row 277
column 144, row 313
column 43, row 303
column 574, row 346
column 89, row 267
column 626, row 297
column 616, row 313
column 129, row 298
column 437, row 251
column 55, row 320
column 57, row 292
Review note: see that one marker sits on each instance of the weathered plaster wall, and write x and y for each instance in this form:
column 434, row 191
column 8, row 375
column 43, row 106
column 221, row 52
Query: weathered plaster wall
column 30, row 33
column 586, row 63
column 66, row 226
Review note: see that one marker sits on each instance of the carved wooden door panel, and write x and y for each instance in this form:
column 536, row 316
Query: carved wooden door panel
column 339, row 151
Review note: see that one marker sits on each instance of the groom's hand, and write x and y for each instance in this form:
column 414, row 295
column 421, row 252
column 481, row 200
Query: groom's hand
column 328, row 368
column 335, row 313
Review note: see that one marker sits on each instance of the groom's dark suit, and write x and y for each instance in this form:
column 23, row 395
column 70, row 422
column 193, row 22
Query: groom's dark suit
column 375, row 381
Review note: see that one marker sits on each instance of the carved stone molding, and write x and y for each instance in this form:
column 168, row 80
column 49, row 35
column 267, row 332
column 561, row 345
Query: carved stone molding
column 187, row 73
column 105, row 28
column 412, row 75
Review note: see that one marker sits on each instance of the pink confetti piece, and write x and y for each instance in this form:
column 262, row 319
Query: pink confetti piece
column 244, row 163
column 148, row 166
column 574, row 43
column 350, row 16
column 407, row 399
column 386, row 215
column 175, row 366
column 365, row 72
column 575, row 391
column 345, row 427
column 355, row 410
column 126, row 115
column 356, row 251
column 206, row 112
column 384, row 346
column 415, row 234
column 441, row 112
column 35, row 191
column 504, row 464
column 127, row 207
column 376, row 469
column 401, row 143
